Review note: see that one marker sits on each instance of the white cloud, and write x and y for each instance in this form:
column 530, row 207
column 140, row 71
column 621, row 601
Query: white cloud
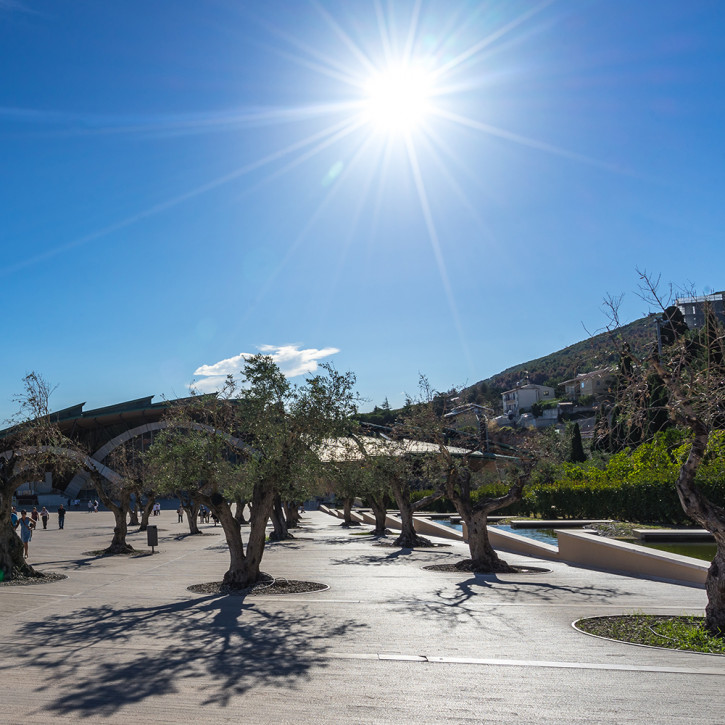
column 291, row 360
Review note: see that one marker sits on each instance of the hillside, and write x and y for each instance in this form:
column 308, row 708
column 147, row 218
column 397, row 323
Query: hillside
column 581, row 357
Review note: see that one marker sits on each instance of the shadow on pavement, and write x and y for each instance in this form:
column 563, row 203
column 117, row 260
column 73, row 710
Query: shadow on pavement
column 104, row 658
column 470, row 598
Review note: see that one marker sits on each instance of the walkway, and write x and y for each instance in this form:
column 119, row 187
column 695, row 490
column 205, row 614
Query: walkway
column 122, row 640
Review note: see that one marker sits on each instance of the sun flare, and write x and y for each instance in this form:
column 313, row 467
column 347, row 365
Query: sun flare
column 398, row 99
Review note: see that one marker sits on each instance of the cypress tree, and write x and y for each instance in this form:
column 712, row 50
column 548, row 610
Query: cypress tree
column 577, row 454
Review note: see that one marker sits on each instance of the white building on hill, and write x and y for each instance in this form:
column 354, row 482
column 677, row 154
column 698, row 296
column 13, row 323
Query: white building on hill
column 522, row 397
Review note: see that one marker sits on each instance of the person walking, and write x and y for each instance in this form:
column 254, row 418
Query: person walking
column 26, row 530
column 13, row 517
column 90, row 505
column 61, row 516
column 44, row 517
column 180, row 514
column 35, row 515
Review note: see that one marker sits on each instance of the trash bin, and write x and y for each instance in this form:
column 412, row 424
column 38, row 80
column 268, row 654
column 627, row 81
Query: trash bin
column 152, row 536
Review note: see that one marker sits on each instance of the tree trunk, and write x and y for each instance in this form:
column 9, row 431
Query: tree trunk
column 258, row 528
column 381, row 514
column 291, row 515
column 243, row 569
column 148, row 507
column 408, row 539
column 280, row 532
column 238, row 575
column 12, row 558
column 715, row 588
column 710, row 517
column 192, row 512
column 458, row 488
column 346, row 512
column 483, row 557
column 118, row 544
column 133, row 513
column 239, row 510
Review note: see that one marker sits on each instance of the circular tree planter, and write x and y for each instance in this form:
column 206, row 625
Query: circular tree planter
column 641, row 630
column 24, row 581
column 103, row 553
column 393, row 545
column 266, row 586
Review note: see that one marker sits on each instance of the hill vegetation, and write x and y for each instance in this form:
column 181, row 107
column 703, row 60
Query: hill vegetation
column 582, row 357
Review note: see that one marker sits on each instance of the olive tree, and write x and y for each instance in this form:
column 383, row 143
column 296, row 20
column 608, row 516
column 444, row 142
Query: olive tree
column 691, row 367
column 462, row 461
column 33, row 446
column 403, row 465
column 250, row 442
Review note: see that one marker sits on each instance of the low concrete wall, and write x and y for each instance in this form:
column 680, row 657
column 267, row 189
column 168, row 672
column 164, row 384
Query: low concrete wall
column 577, row 548
column 426, row 526
column 517, row 544
column 618, row 556
column 367, row 518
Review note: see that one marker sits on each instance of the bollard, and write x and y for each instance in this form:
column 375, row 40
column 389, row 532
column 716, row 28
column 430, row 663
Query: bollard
column 152, row 536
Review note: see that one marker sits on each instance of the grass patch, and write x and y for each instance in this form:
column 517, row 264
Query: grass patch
column 681, row 633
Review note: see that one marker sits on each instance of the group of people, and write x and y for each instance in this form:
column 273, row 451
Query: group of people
column 27, row 524
column 205, row 514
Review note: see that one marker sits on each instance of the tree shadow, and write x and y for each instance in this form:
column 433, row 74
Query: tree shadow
column 187, row 535
column 366, row 559
column 344, row 540
column 73, row 564
column 284, row 544
column 468, row 601
column 102, row 658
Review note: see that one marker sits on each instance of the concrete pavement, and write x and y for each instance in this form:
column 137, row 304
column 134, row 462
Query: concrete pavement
column 123, row 640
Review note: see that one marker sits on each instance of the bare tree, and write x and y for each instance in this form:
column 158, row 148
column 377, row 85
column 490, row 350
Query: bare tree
column 691, row 366
column 33, row 446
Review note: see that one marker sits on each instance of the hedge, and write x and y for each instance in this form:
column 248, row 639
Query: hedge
column 636, row 485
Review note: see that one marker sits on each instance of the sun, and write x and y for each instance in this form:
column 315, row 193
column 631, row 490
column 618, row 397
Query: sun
column 398, row 98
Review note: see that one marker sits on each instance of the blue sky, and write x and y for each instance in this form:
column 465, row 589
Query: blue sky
column 184, row 182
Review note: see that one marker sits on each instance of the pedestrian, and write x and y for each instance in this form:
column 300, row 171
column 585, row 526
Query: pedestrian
column 180, row 514
column 13, row 517
column 95, row 507
column 214, row 518
column 61, row 516
column 26, row 530
column 90, row 505
column 35, row 515
column 44, row 517
column 201, row 514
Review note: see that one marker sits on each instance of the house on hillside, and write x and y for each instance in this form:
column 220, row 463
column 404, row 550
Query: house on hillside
column 523, row 396
column 596, row 383
column 693, row 308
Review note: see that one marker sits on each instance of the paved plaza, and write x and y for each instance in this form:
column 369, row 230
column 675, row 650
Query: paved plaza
column 122, row 640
